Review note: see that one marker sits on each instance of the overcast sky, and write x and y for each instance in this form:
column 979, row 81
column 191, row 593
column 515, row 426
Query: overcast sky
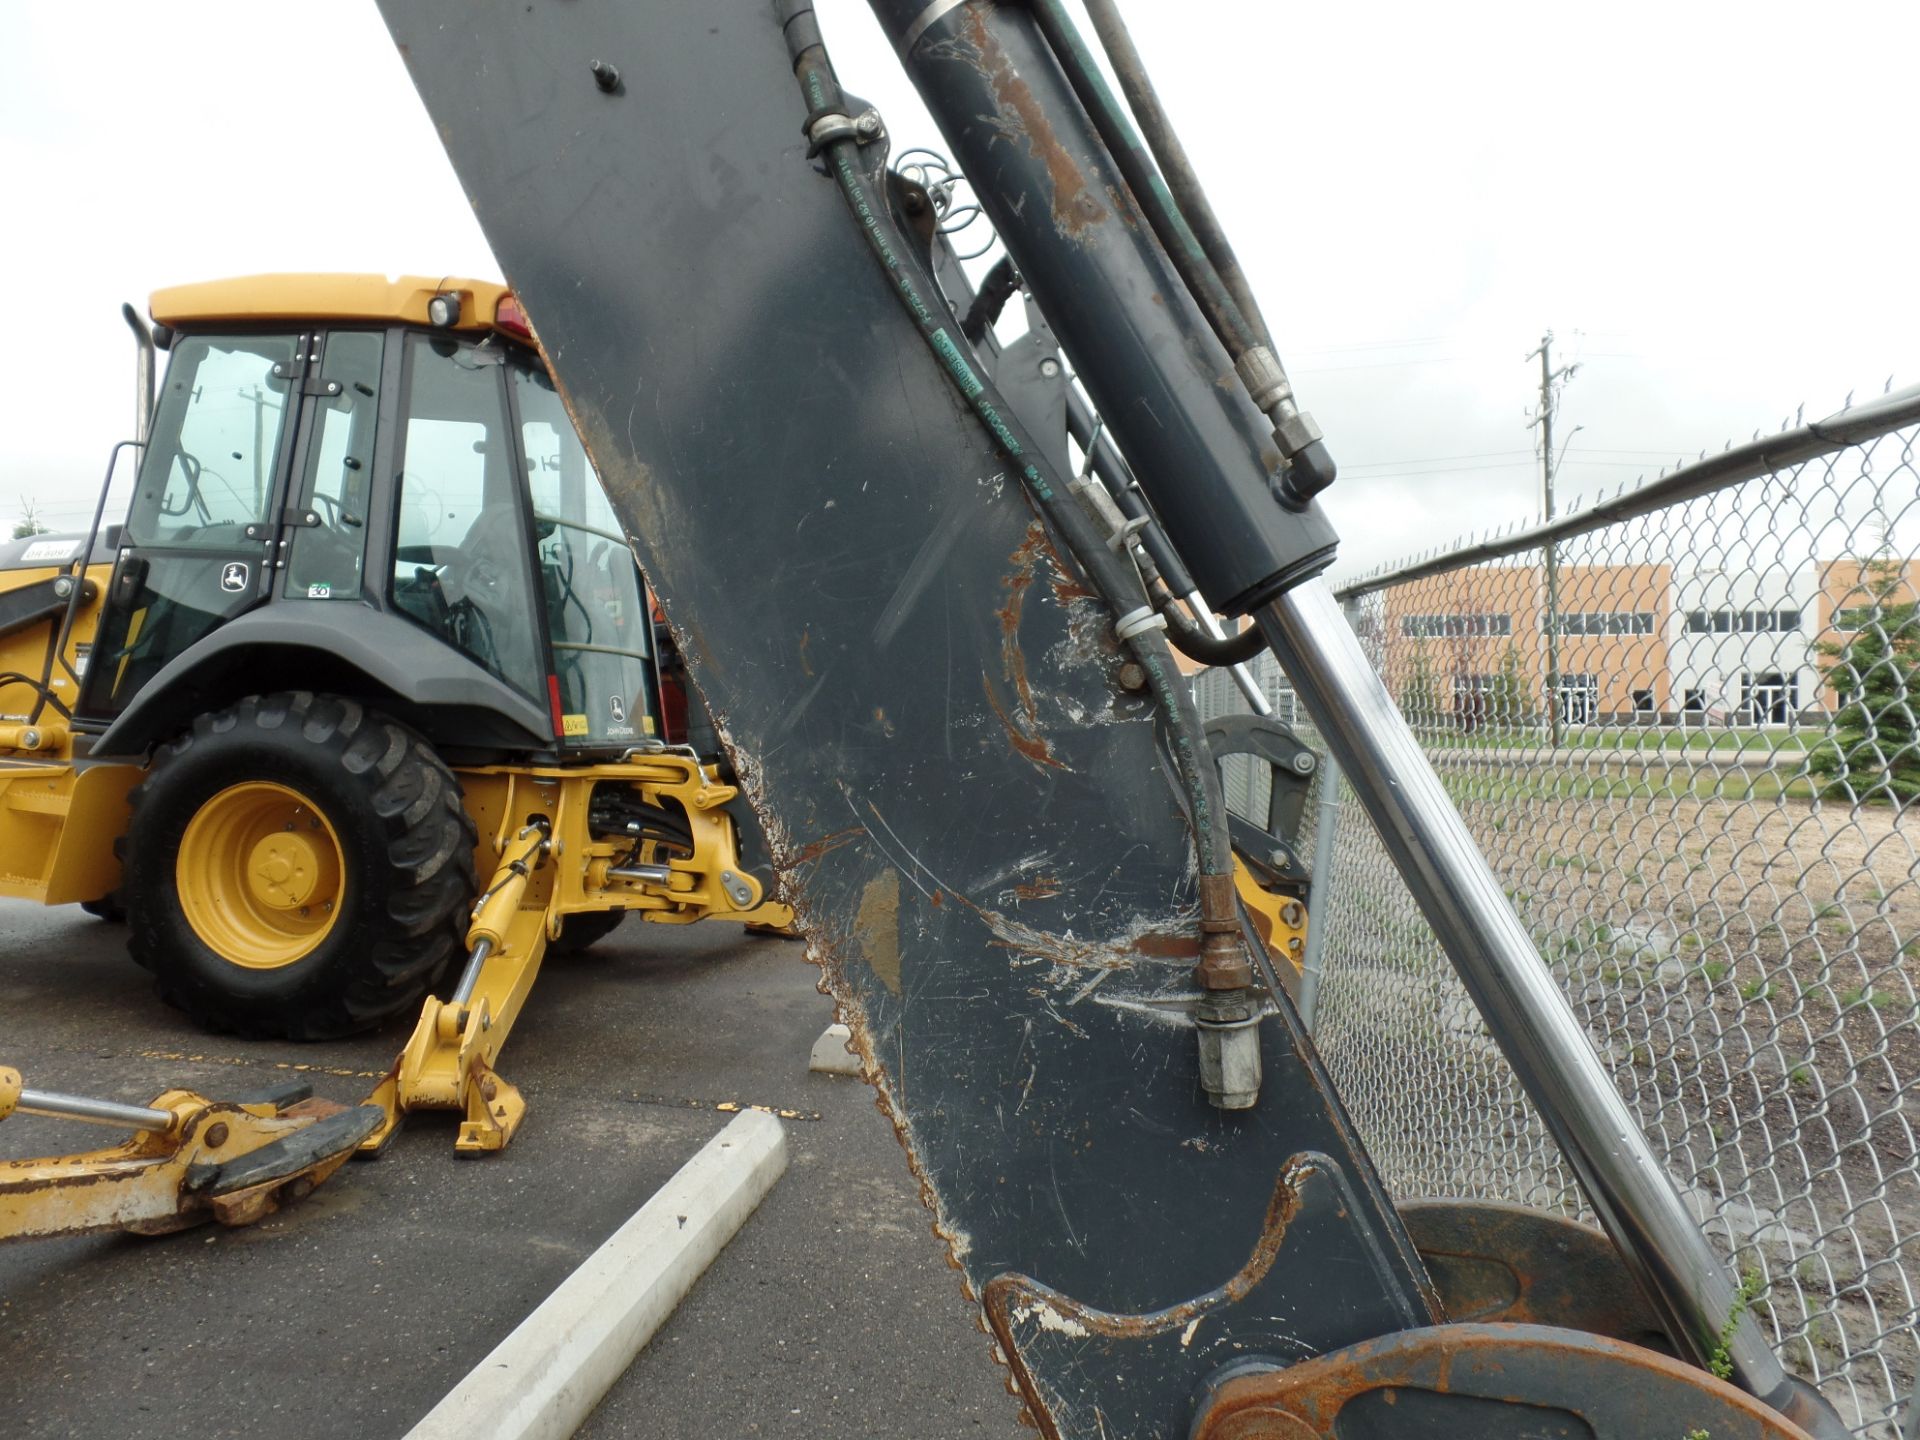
column 1707, row 203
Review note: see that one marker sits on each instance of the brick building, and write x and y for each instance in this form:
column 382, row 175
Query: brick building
column 1646, row 643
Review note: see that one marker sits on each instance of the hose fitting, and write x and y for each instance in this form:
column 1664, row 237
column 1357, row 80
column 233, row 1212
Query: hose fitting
column 1227, row 1017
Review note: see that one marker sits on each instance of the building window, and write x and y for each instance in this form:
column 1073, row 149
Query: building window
column 1437, row 627
column 1643, row 702
column 1741, row 622
column 1606, row 622
column 1579, row 699
column 1768, row 697
column 1694, row 702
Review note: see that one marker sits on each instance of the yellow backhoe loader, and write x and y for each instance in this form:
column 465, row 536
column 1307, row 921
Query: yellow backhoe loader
column 356, row 710
column 355, row 703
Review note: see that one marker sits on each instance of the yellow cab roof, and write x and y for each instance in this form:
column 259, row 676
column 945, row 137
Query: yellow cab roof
column 262, row 299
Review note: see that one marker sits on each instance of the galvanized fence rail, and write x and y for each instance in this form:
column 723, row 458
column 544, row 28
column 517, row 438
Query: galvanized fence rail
column 1684, row 724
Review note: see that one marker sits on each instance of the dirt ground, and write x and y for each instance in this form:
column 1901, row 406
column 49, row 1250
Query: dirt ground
column 1748, row 970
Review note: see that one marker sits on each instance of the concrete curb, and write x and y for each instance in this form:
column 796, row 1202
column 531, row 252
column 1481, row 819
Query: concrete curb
column 833, row 1053
column 545, row 1378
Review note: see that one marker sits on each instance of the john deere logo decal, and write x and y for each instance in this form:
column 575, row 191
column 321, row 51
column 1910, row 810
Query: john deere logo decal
column 618, row 709
column 234, row 577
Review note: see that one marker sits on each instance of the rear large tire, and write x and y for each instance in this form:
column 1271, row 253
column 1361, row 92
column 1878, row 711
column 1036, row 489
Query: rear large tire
column 585, row 930
column 297, row 867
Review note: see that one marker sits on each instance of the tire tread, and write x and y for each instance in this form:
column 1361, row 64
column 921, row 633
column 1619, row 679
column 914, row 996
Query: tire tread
column 428, row 842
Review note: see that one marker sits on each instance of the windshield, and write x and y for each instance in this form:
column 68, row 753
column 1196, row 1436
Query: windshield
column 599, row 626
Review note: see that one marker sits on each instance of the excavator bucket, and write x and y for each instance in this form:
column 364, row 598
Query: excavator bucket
column 976, row 821
column 936, row 687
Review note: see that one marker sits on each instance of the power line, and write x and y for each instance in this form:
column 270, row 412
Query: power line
column 1660, row 455
column 1378, row 365
column 1664, row 454
column 1436, row 459
column 1370, row 345
column 1532, row 464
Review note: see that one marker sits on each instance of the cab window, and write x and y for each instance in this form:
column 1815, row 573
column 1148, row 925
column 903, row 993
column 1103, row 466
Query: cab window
column 209, row 468
column 462, row 564
column 326, row 555
column 597, row 623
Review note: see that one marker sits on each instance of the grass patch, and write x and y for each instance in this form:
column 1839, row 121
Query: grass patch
column 1627, row 739
column 1542, row 782
column 1720, row 1361
column 1867, row 995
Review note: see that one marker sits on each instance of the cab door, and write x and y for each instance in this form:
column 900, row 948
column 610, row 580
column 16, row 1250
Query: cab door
column 599, row 626
column 205, row 528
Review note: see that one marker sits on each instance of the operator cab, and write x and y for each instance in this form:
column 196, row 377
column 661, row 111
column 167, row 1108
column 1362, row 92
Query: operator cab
column 378, row 476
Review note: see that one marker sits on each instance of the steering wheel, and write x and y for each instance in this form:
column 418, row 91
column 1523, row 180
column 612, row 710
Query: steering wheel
column 421, row 595
column 190, row 465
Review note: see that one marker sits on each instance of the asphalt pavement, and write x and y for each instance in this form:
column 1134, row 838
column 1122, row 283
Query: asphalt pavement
column 832, row 1314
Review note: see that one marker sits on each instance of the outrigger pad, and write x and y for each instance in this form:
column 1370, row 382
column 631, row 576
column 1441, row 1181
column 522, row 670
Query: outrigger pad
column 282, row 1096
column 334, row 1135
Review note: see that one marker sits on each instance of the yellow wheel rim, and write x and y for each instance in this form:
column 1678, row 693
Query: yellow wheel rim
column 260, row 875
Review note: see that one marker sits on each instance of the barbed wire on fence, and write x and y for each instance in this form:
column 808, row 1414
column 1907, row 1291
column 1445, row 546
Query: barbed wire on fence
column 1701, row 800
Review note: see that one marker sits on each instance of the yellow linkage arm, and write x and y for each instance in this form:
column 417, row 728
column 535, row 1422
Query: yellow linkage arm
column 448, row 1062
column 556, row 864
column 190, row 1160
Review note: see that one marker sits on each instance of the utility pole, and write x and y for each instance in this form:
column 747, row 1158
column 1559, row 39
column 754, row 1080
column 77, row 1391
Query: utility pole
column 259, row 398
column 1548, row 377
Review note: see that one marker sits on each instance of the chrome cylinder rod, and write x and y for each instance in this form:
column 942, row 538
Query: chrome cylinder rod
column 56, row 1106
column 648, row 874
column 1530, row 1018
column 470, row 977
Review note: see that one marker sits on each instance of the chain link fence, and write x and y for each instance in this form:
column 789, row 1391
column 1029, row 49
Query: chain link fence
column 1682, row 725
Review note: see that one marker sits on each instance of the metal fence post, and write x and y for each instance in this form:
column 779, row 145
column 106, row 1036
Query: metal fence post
column 1320, row 886
column 1320, row 889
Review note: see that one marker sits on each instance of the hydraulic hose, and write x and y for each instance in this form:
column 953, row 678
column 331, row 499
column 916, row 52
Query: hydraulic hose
column 1240, row 329
column 833, row 135
column 1189, row 196
column 1171, row 578
column 997, row 286
column 1196, row 644
column 1183, row 247
column 1111, row 466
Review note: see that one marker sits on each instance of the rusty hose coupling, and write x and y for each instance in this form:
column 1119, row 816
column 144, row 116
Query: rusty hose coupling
column 1227, row 1023
column 1223, row 955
